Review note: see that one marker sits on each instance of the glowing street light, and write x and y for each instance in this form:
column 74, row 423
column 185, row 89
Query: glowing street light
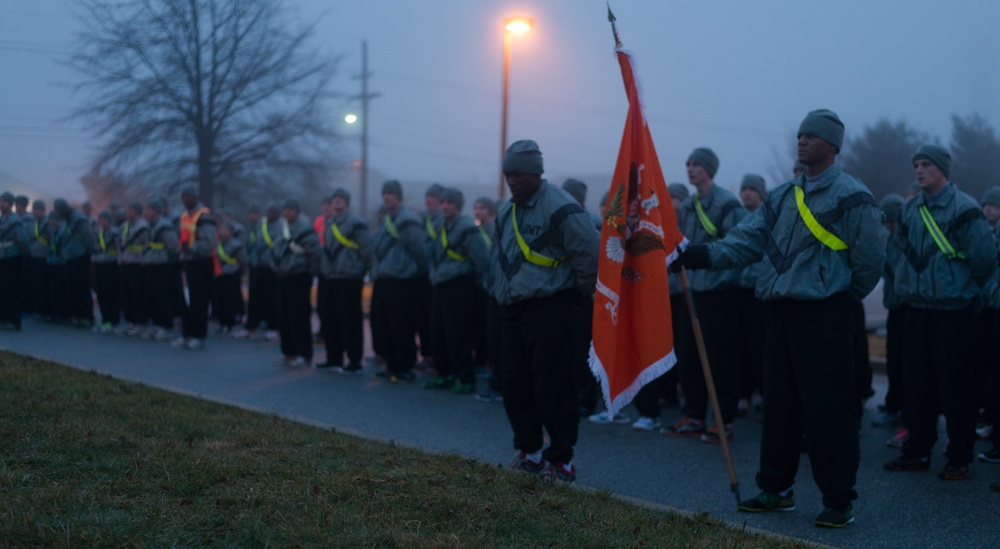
column 351, row 118
column 513, row 25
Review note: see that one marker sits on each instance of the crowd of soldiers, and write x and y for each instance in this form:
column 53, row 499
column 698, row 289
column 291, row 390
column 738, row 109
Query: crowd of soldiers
column 777, row 278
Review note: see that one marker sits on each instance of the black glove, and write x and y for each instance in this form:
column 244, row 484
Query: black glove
column 693, row 257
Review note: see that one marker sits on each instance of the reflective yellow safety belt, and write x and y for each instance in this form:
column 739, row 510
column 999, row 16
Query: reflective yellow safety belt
column 39, row 237
column 156, row 245
column 531, row 256
column 226, row 258
column 939, row 238
column 104, row 245
column 390, row 227
column 429, row 227
column 820, row 232
column 706, row 223
column 253, row 236
column 486, row 237
column 444, row 244
column 346, row 242
column 267, row 235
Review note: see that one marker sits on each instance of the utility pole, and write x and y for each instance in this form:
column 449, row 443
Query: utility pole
column 365, row 97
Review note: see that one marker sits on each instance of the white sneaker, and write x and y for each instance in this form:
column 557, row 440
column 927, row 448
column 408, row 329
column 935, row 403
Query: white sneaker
column 123, row 329
column 603, row 418
column 195, row 344
column 239, row 332
column 270, row 335
column 646, row 424
column 161, row 334
column 133, row 330
column 179, row 343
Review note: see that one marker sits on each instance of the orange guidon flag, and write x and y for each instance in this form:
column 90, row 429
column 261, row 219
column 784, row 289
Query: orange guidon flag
column 633, row 337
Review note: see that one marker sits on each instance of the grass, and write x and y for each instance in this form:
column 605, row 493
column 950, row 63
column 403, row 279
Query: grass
column 87, row 460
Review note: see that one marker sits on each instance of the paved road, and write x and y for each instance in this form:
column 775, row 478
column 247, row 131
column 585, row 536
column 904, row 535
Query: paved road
column 894, row 510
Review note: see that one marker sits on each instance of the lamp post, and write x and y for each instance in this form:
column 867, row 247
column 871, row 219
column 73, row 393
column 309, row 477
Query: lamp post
column 512, row 25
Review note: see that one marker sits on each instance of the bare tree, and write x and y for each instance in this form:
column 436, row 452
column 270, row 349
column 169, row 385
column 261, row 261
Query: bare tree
column 882, row 156
column 221, row 93
column 975, row 149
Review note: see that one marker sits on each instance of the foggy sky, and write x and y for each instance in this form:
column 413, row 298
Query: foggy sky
column 737, row 76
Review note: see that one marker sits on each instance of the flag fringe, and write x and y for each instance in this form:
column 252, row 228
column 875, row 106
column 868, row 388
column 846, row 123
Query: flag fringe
column 651, row 372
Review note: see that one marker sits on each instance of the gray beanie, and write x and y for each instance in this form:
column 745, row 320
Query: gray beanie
column 678, row 191
column 156, row 206
column 342, row 193
column 487, row 203
column 577, row 189
column 21, row 200
column 991, row 197
column 706, row 158
column 454, row 196
column 937, row 155
column 755, row 182
column 60, row 206
column 7, row 196
column 824, row 124
column 604, row 199
column 136, row 207
column 292, row 204
column 106, row 214
column 189, row 191
column 393, row 187
column 892, row 205
column 38, row 205
column 523, row 157
column 434, row 190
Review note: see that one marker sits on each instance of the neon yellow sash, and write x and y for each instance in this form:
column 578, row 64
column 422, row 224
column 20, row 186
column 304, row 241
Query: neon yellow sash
column 346, row 242
column 104, row 245
column 390, row 227
column 226, row 258
column 444, row 244
column 939, row 238
column 820, row 232
column 429, row 227
column 38, row 235
column 265, row 234
column 706, row 223
column 529, row 254
column 486, row 237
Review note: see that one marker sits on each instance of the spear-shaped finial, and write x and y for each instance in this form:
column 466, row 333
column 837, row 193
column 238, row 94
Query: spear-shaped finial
column 614, row 30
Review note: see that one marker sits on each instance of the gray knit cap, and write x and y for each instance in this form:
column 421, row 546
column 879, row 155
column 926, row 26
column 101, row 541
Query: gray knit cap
column 292, row 204
column 189, row 191
column 342, row 193
column 577, row 189
column 488, row 203
column 434, row 190
column 21, row 200
column 523, row 157
column 38, row 205
column 393, row 187
column 706, row 158
column 939, row 156
column 678, row 191
column 7, row 196
column 755, row 182
column 106, row 214
column 824, row 124
column 156, row 206
column 992, row 197
column 454, row 196
column 892, row 206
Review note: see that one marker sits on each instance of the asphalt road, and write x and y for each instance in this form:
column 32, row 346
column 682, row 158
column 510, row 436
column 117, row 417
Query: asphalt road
column 894, row 509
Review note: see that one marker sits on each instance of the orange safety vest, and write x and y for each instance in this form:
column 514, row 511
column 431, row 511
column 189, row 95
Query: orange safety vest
column 189, row 226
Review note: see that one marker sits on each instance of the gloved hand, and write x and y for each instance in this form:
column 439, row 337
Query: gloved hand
column 296, row 248
column 693, row 257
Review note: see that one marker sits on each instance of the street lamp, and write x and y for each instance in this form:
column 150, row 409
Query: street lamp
column 513, row 25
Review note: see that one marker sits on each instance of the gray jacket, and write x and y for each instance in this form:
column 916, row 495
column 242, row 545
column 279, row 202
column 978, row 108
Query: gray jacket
column 348, row 259
column 108, row 246
column 552, row 225
column 163, row 243
column 991, row 291
column 134, row 237
column 296, row 248
column 796, row 265
column 262, row 240
column 232, row 256
column 725, row 212
column 39, row 237
column 924, row 276
column 79, row 237
column 465, row 255
column 13, row 237
column 403, row 256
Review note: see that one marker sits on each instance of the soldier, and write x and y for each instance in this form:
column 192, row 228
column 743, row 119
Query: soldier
column 55, row 264
column 158, row 260
column 399, row 269
column 578, row 190
column 134, row 238
column 707, row 216
column 197, row 244
column 547, row 267
column 261, row 309
column 343, row 265
column 457, row 261
column 488, row 310
column 230, row 262
column 75, row 251
column 295, row 257
column 432, row 218
column 21, row 208
column 891, row 413
column 947, row 253
column 107, row 279
column 751, row 312
column 13, row 250
column 822, row 242
column 39, row 237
